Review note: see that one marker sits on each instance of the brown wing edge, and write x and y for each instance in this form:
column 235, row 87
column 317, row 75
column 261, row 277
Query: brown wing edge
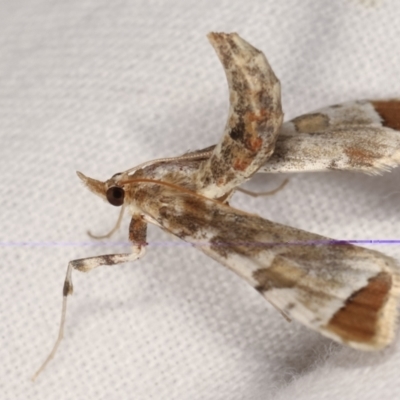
column 369, row 317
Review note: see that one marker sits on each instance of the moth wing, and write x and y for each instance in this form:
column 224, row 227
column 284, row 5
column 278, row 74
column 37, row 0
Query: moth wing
column 254, row 121
column 345, row 292
column 358, row 136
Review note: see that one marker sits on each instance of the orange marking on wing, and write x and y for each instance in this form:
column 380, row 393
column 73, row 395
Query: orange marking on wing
column 253, row 121
column 259, row 115
column 241, row 164
column 389, row 110
column 358, row 320
column 360, row 156
column 255, row 144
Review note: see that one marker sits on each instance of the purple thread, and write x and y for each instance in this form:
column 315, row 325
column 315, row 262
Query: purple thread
column 200, row 244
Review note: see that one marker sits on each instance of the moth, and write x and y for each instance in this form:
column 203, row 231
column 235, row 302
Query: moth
column 345, row 292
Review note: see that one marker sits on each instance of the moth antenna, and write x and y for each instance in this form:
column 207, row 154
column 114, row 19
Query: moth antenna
column 190, row 156
column 171, row 185
column 67, row 290
column 269, row 193
column 113, row 230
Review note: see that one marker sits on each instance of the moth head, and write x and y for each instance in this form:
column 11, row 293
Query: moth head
column 109, row 190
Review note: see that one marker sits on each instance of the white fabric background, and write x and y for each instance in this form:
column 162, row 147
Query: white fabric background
column 101, row 86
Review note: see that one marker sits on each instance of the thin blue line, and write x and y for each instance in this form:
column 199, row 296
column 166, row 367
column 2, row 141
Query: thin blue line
column 199, row 244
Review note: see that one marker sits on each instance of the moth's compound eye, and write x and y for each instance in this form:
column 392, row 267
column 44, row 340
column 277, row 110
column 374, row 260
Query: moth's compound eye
column 115, row 196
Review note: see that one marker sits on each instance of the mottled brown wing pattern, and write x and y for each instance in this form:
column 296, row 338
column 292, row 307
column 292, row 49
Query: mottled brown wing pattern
column 346, row 292
column 255, row 117
column 359, row 136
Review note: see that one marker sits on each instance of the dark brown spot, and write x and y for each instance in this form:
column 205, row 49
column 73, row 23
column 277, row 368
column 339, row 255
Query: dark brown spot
column 358, row 320
column 67, row 289
column 333, row 164
column 163, row 211
column 107, row 259
column 206, row 180
column 238, row 131
column 290, row 306
column 389, row 111
column 79, row 264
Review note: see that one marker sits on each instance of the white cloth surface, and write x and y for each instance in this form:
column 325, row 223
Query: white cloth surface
column 101, row 86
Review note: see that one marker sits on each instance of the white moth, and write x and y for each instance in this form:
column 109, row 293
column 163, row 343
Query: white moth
column 345, row 292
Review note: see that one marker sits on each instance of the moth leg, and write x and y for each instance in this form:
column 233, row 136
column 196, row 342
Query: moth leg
column 269, row 193
column 284, row 315
column 137, row 235
column 113, row 230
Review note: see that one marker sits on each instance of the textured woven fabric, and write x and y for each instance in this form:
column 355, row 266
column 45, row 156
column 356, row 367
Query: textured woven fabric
column 100, row 86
